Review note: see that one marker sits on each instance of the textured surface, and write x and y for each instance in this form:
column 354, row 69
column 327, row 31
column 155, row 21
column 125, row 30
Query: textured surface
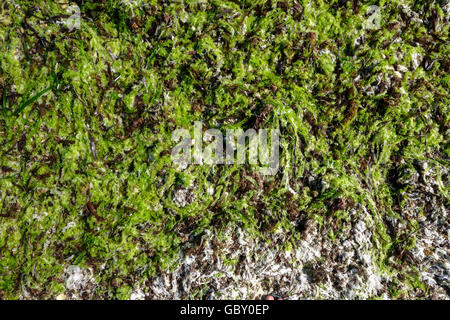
column 91, row 205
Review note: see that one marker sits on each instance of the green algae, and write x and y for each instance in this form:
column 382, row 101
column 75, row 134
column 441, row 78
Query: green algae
column 86, row 173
